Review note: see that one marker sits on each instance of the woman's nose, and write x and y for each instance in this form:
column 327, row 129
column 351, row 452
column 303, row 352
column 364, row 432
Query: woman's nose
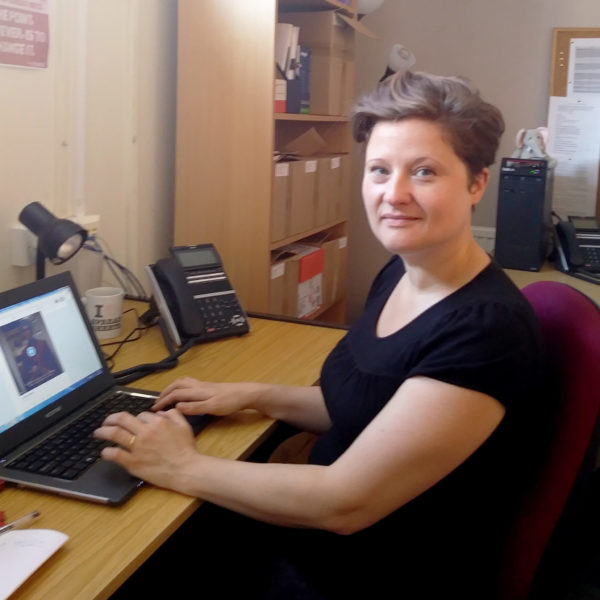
column 398, row 190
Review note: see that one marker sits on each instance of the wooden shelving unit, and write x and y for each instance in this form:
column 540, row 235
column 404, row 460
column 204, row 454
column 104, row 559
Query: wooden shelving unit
column 227, row 131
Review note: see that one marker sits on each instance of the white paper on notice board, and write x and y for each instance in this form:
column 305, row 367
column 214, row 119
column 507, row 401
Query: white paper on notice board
column 574, row 127
column 584, row 67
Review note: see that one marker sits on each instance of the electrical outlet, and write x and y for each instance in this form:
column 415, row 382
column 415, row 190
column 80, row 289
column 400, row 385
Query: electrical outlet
column 23, row 243
column 89, row 222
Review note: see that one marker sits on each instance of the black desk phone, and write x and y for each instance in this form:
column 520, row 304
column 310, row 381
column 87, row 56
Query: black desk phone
column 577, row 247
column 194, row 296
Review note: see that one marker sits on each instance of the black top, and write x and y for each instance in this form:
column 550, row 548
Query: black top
column 482, row 337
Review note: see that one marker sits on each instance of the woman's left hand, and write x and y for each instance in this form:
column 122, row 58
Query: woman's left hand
column 155, row 447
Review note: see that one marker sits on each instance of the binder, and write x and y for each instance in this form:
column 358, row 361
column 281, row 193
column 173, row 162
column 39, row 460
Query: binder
column 294, row 54
column 304, row 76
column 283, row 43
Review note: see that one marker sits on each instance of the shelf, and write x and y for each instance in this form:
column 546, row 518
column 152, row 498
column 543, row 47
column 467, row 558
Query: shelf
column 308, row 118
column 332, row 313
column 304, row 234
column 311, row 5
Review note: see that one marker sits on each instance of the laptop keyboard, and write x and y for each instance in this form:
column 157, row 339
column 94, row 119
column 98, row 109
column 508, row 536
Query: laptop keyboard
column 72, row 450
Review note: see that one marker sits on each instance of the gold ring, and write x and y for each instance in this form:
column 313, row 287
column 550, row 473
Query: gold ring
column 131, row 441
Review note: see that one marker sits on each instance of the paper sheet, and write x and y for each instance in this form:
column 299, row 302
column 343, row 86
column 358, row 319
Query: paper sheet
column 574, row 126
column 22, row 551
column 584, row 67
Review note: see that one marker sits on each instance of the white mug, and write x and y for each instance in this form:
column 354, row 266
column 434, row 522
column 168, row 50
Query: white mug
column 104, row 308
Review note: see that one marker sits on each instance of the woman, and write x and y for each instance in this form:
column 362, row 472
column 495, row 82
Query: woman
column 426, row 408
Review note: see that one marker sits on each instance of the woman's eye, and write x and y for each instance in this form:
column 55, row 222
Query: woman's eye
column 424, row 172
column 379, row 171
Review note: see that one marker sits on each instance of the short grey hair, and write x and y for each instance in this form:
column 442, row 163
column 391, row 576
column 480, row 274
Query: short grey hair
column 471, row 126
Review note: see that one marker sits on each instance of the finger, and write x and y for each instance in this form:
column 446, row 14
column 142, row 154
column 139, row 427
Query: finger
column 117, row 435
column 147, row 417
column 161, row 403
column 166, row 399
column 125, row 420
column 174, row 416
column 178, row 383
column 105, row 432
column 118, row 455
column 178, row 421
column 180, row 395
column 195, row 408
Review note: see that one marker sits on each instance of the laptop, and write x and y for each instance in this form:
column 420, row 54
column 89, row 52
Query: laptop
column 52, row 374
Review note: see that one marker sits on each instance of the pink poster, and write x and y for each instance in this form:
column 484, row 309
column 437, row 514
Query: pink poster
column 24, row 33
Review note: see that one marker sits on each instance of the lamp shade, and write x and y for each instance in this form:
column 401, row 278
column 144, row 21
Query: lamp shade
column 58, row 239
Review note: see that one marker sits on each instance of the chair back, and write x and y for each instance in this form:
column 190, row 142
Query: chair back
column 570, row 324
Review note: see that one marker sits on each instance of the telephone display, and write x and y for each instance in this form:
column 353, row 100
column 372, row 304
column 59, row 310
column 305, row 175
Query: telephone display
column 194, row 295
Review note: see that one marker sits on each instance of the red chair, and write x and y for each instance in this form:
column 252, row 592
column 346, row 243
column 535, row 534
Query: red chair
column 570, row 324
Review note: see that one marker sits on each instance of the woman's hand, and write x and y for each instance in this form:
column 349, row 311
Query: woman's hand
column 193, row 397
column 156, row 447
column 302, row 407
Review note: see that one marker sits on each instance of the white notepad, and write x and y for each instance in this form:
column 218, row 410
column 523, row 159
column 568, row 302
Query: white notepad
column 22, row 551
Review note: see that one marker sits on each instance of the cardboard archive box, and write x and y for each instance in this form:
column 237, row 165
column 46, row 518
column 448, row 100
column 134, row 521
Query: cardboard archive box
column 296, row 288
column 331, row 40
column 293, row 208
column 334, row 266
column 281, row 199
column 335, row 270
column 309, row 193
column 323, row 190
column 309, row 276
column 333, row 189
column 303, row 194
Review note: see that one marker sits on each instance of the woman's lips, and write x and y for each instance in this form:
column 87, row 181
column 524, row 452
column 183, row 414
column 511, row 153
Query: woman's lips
column 399, row 219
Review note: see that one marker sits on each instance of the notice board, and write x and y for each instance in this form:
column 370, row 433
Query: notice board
column 575, row 85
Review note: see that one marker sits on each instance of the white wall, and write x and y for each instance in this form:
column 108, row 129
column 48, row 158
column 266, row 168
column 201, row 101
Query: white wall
column 504, row 48
column 130, row 118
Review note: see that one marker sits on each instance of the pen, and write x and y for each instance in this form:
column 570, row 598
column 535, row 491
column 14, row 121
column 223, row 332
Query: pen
column 21, row 522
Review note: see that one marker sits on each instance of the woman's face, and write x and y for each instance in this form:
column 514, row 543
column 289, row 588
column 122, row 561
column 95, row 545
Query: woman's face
column 416, row 190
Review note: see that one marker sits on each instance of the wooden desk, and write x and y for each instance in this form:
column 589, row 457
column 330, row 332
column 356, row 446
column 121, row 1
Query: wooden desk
column 107, row 544
column 549, row 273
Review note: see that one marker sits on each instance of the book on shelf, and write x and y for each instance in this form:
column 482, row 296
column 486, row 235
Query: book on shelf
column 304, row 76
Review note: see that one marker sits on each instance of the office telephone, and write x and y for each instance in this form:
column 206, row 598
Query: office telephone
column 577, row 247
column 194, row 296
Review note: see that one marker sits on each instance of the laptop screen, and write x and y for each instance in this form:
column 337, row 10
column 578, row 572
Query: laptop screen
column 45, row 352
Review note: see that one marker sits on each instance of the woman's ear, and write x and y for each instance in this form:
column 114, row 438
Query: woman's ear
column 479, row 184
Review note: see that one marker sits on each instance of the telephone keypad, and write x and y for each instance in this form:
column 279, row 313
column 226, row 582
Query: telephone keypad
column 220, row 312
column 591, row 255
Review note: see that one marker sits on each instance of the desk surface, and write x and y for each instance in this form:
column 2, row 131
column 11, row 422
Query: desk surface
column 107, row 544
column 549, row 273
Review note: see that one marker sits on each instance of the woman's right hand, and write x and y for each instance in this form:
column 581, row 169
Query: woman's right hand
column 193, row 397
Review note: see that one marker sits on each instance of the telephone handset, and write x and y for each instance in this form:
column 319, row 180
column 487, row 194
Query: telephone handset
column 569, row 252
column 577, row 245
column 194, row 295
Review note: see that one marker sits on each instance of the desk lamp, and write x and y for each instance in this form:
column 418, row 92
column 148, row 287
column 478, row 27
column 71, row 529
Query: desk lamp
column 58, row 239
